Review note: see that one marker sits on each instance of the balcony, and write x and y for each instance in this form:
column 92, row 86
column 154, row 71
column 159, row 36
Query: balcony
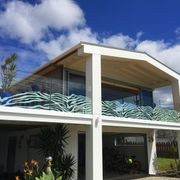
column 128, row 110
column 45, row 93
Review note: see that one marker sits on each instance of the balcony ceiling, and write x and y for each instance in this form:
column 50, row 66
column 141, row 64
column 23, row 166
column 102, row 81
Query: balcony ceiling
column 130, row 71
column 135, row 72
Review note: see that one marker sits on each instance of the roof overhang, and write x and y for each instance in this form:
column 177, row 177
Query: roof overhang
column 107, row 51
column 134, row 67
column 138, row 68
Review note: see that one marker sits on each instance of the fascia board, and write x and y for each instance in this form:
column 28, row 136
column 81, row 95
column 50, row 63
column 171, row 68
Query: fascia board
column 14, row 114
column 139, row 123
column 112, row 52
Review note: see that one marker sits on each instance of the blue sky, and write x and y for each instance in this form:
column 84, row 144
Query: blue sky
column 39, row 30
column 158, row 19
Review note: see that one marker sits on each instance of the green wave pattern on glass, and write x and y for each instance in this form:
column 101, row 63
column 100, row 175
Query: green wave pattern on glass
column 81, row 104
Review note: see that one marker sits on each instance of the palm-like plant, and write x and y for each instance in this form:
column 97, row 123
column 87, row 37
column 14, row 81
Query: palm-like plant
column 67, row 163
column 52, row 143
column 8, row 71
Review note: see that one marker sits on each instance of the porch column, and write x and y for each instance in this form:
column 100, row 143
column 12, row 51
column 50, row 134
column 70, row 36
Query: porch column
column 178, row 142
column 176, row 94
column 94, row 167
column 72, row 147
column 151, row 148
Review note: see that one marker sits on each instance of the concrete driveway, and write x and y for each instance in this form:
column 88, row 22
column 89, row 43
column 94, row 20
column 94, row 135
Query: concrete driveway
column 141, row 178
column 157, row 178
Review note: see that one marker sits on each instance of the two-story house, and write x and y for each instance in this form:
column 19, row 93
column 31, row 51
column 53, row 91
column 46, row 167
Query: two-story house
column 104, row 96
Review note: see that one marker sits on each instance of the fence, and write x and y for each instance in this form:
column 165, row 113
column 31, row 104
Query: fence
column 168, row 149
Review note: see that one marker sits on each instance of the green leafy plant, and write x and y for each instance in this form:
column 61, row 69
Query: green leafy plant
column 33, row 172
column 66, row 167
column 8, row 71
column 52, row 143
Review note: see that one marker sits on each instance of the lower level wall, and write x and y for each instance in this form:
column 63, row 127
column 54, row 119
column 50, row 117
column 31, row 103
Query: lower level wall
column 25, row 147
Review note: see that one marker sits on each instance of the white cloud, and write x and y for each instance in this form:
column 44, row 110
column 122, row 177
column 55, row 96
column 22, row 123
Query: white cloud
column 29, row 23
column 56, row 46
column 163, row 51
column 120, row 40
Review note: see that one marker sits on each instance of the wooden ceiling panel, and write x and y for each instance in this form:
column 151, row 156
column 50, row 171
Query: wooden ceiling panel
column 139, row 72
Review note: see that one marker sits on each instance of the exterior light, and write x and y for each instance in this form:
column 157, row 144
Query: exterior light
column 97, row 121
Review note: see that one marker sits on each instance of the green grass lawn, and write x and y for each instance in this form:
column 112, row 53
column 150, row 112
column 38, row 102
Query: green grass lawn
column 164, row 164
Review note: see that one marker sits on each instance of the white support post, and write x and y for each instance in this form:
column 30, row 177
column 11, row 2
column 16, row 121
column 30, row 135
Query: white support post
column 178, row 142
column 72, row 148
column 151, row 148
column 94, row 167
column 176, row 94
